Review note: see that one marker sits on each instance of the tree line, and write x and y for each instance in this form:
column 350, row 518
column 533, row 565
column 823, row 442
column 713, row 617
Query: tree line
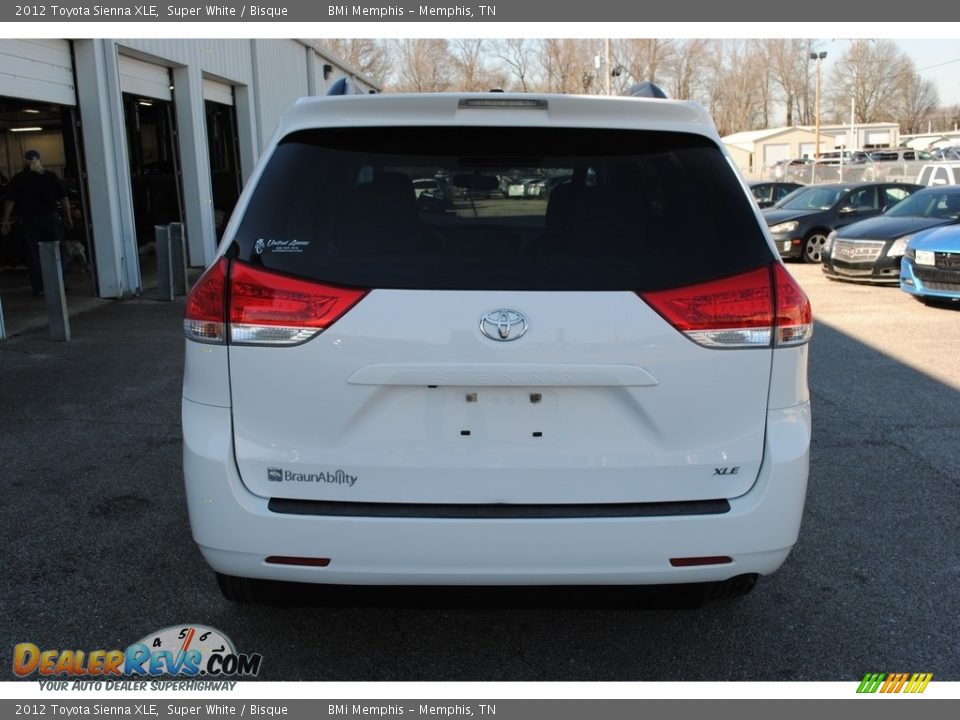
column 745, row 84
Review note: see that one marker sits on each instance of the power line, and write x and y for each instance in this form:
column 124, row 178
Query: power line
column 931, row 67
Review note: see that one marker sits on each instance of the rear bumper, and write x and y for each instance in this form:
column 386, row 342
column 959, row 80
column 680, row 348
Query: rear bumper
column 236, row 530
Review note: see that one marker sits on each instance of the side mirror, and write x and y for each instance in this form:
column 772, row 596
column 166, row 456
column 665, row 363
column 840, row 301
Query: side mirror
column 847, row 210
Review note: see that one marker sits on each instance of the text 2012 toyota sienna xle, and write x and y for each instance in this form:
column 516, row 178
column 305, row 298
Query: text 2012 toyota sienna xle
column 605, row 384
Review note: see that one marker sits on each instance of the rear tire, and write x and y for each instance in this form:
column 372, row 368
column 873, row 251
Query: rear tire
column 735, row 587
column 696, row 596
column 237, row 589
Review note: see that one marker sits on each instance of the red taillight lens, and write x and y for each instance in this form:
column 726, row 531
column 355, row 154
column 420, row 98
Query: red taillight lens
column 206, row 306
column 272, row 309
column 794, row 321
column 264, row 308
column 731, row 312
column 740, row 311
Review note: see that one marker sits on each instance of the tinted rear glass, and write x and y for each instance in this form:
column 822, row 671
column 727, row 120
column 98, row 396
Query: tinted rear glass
column 482, row 208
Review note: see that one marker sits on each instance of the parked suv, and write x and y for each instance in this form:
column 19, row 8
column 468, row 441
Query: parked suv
column 939, row 173
column 606, row 386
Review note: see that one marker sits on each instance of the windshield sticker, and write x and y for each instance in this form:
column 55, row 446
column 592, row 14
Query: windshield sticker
column 280, row 245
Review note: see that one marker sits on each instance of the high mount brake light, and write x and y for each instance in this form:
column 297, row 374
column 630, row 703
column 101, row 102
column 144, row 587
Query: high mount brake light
column 265, row 308
column 748, row 310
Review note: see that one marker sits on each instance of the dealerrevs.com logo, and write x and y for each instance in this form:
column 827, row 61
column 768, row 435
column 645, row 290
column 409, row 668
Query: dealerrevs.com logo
column 183, row 651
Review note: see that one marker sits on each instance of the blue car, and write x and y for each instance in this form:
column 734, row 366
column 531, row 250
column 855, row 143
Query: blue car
column 930, row 269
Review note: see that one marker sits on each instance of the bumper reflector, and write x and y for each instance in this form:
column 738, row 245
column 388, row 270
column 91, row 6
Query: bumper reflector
column 706, row 560
column 287, row 560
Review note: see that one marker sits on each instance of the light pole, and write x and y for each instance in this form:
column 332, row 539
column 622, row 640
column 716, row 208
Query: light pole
column 818, row 56
column 606, row 64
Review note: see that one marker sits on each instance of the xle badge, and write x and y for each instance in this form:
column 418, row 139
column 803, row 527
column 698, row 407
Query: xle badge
column 726, row 470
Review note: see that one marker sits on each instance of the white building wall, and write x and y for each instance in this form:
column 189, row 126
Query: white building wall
column 107, row 167
column 280, row 79
column 267, row 76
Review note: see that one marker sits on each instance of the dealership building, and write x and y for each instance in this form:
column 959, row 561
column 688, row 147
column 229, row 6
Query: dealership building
column 147, row 132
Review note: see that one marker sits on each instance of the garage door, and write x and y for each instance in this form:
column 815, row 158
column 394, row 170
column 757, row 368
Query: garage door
column 143, row 78
column 775, row 152
column 218, row 92
column 878, row 138
column 37, row 70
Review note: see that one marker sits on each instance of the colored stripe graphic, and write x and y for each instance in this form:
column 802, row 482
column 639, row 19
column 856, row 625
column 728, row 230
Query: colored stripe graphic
column 918, row 683
column 871, row 682
column 894, row 682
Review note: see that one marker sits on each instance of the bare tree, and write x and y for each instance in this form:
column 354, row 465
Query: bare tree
column 919, row 100
column 736, row 86
column 643, row 59
column 567, row 65
column 516, row 55
column 423, row 65
column 470, row 65
column 684, row 68
column 789, row 66
column 870, row 73
column 368, row 56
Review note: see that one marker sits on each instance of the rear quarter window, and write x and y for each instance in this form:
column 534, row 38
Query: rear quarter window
column 480, row 208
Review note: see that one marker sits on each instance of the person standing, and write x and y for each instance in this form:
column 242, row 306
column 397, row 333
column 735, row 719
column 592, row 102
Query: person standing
column 35, row 192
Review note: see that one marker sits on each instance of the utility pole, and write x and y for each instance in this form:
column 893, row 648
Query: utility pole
column 606, row 64
column 818, row 56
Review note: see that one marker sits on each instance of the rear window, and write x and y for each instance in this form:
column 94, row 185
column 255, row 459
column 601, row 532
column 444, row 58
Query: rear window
column 480, row 208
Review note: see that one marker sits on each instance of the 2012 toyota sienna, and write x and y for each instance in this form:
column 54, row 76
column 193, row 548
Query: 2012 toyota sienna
column 605, row 385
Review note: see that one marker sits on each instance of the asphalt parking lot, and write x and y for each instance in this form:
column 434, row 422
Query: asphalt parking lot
column 97, row 550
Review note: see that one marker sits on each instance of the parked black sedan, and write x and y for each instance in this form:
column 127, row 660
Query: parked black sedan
column 768, row 193
column 870, row 251
column 801, row 222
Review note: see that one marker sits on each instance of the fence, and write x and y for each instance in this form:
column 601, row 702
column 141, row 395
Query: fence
column 895, row 171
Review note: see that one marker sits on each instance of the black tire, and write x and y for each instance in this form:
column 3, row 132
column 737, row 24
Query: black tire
column 237, row 589
column 812, row 244
column 696, row 596
column 735, row 587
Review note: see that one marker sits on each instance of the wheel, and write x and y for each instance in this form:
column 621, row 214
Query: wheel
column 812, row 245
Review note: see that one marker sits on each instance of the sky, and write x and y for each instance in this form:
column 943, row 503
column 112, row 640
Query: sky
column 936, row 60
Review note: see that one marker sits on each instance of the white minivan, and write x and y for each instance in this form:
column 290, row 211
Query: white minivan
column 603, row 385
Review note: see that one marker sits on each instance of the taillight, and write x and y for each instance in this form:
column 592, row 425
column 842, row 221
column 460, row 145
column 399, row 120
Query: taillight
column 748, row 310
column 271, row 309
column 205, row 316
column 794, row 321
column 263, row 307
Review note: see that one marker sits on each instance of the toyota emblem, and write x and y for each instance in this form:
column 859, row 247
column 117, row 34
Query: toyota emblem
column 503, row 325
